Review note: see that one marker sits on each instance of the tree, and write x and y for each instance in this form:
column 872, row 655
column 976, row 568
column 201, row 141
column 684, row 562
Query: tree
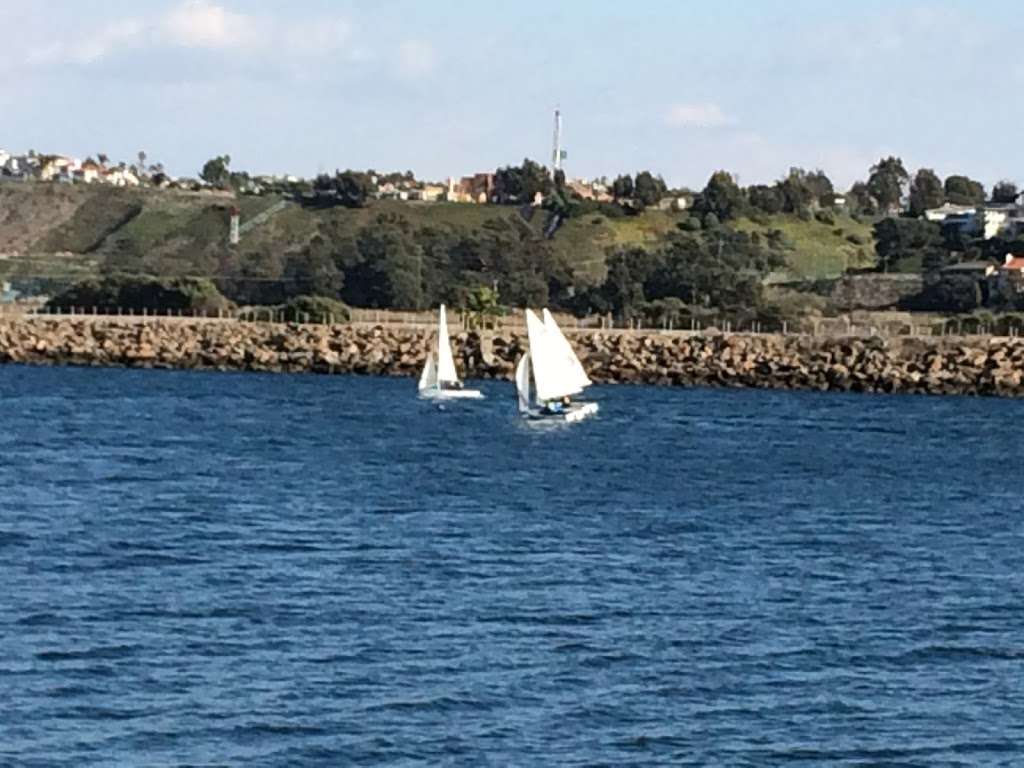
column 648, row 189
column 215, row 171
column 103, row 158
column 886, row 183
column 520, row 184
column 484, row 304
column 797, row 193
column 388, row 273
column 765, row 198
column 821, row 187
column 961, row 190
column 352, row 189
column 859, row 199
column 1005, row 192
column 622, row 188
column 926, row 192
column 898, row 239
column 721, row 197
column 313, row 271
column 142, row 161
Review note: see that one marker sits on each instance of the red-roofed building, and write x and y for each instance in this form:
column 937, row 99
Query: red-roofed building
column 1011, row 274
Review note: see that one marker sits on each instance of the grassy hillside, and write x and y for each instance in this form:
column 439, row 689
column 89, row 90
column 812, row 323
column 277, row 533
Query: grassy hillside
column 816, row 249
column 54, row 230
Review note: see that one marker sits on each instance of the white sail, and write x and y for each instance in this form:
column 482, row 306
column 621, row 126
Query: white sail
column 561, row 343
column 428, row 378
column 445, row 364
column 523, row 382
column 553, row 375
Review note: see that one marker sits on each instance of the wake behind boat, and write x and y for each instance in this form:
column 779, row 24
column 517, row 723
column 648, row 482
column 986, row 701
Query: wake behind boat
column 556, row 371
column 439, row 380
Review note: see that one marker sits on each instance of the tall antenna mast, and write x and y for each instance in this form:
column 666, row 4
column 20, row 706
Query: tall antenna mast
column 556, row 151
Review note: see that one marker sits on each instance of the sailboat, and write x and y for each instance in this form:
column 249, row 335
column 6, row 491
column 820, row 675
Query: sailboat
column 439, row 379
column 556, row 372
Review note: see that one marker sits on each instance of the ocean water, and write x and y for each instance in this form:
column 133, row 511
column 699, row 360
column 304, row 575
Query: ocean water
column 221, row 569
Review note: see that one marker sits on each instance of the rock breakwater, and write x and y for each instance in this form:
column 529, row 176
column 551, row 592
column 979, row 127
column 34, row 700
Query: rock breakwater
column 939, row 365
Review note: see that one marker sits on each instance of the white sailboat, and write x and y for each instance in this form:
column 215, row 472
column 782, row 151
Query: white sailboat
column 439, row 379
column 556, row 372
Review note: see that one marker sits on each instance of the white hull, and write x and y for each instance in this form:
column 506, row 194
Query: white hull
column 573, row 413
column 451, row 394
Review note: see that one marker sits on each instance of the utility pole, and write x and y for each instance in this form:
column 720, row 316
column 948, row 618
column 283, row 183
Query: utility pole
column 557, row 155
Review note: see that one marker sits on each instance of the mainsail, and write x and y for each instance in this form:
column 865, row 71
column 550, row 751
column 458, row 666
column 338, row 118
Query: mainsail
column 579, row 376
column 553, row 372
column 445, row 364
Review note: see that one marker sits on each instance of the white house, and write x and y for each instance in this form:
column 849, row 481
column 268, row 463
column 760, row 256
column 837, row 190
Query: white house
column 122, row 177
column 89, row 172
column 946, row 210
column 55, row 166
column 992, row 220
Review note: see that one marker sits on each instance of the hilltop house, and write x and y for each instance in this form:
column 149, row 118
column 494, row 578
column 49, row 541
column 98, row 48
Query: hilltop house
column 946, row 210
column 428, row 193
column 1011, row 274
column 89, row 172
column 53, row 167
column 478, row 188
column 121, row 177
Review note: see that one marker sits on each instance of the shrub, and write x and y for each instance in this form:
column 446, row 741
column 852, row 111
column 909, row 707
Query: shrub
column 138, row 293
column 316, row 309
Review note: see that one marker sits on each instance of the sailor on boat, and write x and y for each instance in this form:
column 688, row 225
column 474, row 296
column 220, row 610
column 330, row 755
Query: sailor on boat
column 552, row 366
column 439, row 379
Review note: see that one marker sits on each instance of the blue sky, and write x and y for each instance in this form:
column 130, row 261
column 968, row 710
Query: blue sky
column 449, row 87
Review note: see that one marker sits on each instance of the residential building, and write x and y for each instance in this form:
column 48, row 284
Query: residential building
column 946, row 210
column 978, row 269
column 122, row 177
column 589, row 190
column 428, row 193
column 992, row 219
column 478, row 188
column 56, row 167
column 673, row 203
column 1011, row 274
column 90, row 172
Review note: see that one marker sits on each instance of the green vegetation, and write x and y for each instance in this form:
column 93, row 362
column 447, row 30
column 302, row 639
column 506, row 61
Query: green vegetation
column 315, row 309
column 816, row 249
column 537, row 242
column 136, row 293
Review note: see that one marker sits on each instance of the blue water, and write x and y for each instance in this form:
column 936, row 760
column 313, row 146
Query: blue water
column 225, row 569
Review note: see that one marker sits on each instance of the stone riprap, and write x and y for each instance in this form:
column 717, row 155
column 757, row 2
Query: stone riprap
column 935, row 365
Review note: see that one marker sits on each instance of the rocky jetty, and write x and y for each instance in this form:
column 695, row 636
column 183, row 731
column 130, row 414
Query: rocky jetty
column 933, row 365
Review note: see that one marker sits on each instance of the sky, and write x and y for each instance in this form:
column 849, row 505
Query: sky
column 453, row 87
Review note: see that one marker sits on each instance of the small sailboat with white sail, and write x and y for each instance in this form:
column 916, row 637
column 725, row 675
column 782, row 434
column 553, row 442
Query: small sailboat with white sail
column 556, row 372
column 439, row 380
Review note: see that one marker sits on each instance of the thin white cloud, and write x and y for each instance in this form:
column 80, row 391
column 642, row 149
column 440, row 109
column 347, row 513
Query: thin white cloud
column 201, row 24
column 416, row 59
column 697, row 116
column 196, row 25
column 89, row 48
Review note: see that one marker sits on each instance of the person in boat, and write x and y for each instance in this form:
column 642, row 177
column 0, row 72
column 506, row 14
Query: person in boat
column 553, row 406
column 451, row 385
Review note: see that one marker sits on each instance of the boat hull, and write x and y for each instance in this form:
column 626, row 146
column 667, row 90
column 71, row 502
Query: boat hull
column 451, row 394
column 574, row 413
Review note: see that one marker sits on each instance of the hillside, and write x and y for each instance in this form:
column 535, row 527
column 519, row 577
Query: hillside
column 817, row 249
column 52, row 235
